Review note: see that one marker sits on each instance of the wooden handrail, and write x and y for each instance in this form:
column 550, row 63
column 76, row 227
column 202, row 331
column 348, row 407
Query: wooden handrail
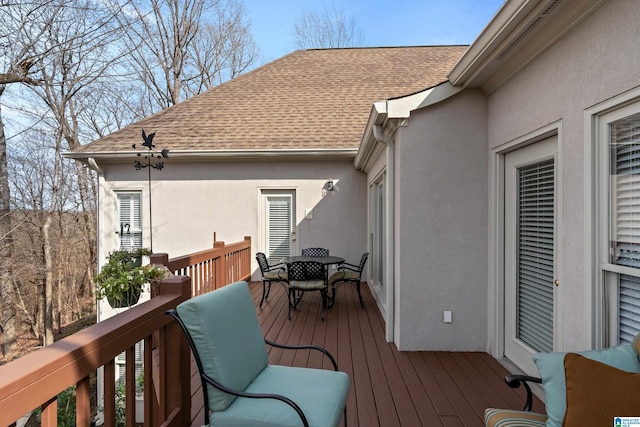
column 212, row 268
column 37, row 378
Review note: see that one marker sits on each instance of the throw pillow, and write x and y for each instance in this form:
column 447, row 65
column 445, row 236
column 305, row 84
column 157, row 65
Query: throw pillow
column 551, row 369
column 597, row 393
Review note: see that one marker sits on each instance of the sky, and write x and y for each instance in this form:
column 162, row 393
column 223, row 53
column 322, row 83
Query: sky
column 382, row 23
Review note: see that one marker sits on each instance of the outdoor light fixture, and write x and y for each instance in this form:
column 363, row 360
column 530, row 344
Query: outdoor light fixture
column 164, row 154
column 329, row 185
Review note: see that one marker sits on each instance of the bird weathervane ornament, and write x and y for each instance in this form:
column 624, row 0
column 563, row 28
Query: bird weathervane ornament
column 148, row 156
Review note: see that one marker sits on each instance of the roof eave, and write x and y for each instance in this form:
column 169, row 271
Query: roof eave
column 398, row 109
column 519, row 32
column 221, row 154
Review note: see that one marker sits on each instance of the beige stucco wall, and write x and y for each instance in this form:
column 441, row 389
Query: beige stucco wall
column 191, row 201
column 595, row 61
column 441, row 247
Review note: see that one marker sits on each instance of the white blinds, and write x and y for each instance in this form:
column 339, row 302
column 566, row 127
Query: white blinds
column 625, row 215
column 279, row 227
column 130, row 213
column 535, row 255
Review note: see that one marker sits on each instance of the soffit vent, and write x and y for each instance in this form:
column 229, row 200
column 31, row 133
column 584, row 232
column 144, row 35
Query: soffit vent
column 541, row 16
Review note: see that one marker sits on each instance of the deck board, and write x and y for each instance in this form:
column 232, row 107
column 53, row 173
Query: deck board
column 388, row 388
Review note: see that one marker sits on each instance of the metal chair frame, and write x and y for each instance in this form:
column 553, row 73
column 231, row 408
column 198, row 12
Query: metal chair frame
column 305, row 271
column 206, row 379
column 266, row 268
column 315, row 252
column 354, row 281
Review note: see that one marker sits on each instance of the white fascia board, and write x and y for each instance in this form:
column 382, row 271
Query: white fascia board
column 505, row 20
column 221, row 154
column 520, row 32
column 401, row 108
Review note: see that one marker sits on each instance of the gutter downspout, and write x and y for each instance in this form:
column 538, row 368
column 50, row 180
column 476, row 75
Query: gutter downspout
column 379, row 135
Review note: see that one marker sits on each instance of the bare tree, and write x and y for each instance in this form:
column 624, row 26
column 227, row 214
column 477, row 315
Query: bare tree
column 15, row 68
column 183, row 47
column 327, row 28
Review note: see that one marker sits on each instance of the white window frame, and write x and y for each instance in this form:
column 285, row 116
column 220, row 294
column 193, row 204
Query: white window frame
column 603, row 274
column 377, row 221
column 132, row 229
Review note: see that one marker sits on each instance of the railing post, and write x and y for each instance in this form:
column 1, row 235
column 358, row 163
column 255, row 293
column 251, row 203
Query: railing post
column 174, row 370
column 221, row 268
column 246, row 265
column 159, row 259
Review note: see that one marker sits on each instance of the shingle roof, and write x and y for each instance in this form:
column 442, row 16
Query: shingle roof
column 309, row 99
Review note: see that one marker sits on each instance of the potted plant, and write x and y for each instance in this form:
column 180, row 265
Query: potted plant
column 121, row 281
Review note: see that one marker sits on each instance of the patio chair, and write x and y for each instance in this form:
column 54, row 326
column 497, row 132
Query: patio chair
column 306, row 276
column 315, row 252
column 588, row 387
column 240, row 387
column 348, row 273
column 270, row 273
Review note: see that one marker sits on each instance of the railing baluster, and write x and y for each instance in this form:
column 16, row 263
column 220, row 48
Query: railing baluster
column 83, row 402
column 49, row 415
column 148, row 376
column 130, row 386
column 109, row 393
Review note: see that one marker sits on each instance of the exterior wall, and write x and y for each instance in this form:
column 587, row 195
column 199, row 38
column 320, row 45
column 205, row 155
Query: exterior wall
column 595, row 61
column 191, row 201
column 441, row 246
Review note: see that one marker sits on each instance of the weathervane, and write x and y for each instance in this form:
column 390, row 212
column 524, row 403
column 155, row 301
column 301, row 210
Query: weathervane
column 150, row 154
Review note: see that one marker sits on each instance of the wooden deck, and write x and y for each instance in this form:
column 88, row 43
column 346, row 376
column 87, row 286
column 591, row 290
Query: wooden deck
column 388, row 387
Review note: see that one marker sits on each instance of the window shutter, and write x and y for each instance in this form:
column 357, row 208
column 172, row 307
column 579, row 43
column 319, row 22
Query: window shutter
column 130, row 212
column 625, row 157
column 535, row 255
column 279, row 227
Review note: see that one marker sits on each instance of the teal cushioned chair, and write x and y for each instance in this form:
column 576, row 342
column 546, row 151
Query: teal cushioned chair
column 240, row 387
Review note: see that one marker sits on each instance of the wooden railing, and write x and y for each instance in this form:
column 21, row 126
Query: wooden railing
column 212, row 268
column 36, row 379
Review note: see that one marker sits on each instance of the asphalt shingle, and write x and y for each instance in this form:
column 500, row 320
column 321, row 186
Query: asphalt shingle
column 312, row 99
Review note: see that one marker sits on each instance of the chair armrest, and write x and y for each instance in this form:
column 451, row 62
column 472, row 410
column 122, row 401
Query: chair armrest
column 305, row 347
column 279, row 266
column 514, row 381
column 347, row 266
column 279, row 397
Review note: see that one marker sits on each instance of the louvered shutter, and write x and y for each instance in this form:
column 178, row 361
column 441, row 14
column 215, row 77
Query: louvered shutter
column 625, row 162
column 130, row 212
column 278, row 227
column 535, row 255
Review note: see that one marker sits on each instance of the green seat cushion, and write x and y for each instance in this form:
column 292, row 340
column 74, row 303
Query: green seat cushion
column 226, row 332
column 510, row 418
column 321, row 394
column 551, row 369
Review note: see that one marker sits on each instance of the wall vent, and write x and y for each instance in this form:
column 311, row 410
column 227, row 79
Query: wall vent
column 542, row 15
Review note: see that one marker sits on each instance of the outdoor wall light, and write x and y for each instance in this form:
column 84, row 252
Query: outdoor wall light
column 329, row 185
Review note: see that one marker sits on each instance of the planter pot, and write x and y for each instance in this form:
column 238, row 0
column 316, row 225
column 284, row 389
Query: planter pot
column 127, row 299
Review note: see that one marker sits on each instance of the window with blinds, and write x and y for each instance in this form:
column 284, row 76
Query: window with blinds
column 535, row 255
column 130, row 217
column 278, row 227
column 624, row 159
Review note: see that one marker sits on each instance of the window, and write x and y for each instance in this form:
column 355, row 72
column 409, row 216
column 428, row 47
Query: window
column 619, row 145
column 130, row 218
column 376, row 235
